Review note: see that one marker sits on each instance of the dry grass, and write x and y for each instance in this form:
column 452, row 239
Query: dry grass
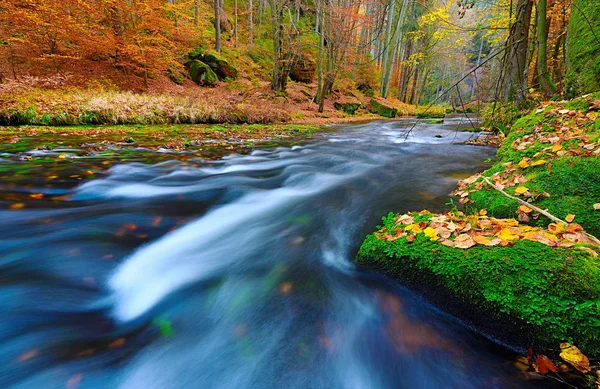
column 93, row 106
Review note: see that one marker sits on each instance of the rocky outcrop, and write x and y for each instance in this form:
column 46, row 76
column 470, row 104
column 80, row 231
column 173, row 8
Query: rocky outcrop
column 220, row 67
column 223, row 69
column 383, row 109
column 201, row 73
column 303, row 69
column 347, row 106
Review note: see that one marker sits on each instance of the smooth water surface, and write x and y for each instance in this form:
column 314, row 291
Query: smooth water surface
column 235, row 273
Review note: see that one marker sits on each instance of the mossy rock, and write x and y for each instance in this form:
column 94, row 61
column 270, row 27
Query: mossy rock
column 201, row 73
column 223, row 69
column 197, row 53
column 382, row 109
column 349, row 108
column 526, row 295
column 369, row 93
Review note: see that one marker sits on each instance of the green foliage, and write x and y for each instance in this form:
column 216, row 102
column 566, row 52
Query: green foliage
column 433, row 112
column 583, row 54
column 500, row 117
column 557, row 291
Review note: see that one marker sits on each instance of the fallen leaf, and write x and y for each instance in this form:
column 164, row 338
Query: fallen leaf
column 464, row 241
column 538, row 162
column 543, row 364
column 521, row 190
column 570, row 217
column 588, row 250
column 596, row 207
column 556, row 148
column 572, row 355
column 28, row 355
column 507, row 234
column 525, row 209
column 431, row 233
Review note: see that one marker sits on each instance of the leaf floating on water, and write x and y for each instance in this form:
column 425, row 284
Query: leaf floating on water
column 572, row 355
column 28, row 355
column 74, row 381
column 16, row 206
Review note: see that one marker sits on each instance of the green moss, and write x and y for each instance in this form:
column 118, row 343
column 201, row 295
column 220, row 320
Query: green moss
column 349, row 108
column 383, row 110
column 583, row 54
column 549, row 294
column 202, row 74
column 573, row 185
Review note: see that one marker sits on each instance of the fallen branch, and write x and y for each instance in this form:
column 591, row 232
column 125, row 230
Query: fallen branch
column 592, row 238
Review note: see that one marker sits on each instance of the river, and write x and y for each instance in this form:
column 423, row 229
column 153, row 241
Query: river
column 236, row 272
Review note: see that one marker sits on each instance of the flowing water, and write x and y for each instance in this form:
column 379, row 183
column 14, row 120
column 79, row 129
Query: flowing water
column 233, row 273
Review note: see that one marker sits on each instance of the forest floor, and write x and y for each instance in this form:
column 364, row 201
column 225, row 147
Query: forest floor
column 521, row 260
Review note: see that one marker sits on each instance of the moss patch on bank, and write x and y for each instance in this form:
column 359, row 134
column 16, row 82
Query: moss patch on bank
column 527, row 294
column 553, row 153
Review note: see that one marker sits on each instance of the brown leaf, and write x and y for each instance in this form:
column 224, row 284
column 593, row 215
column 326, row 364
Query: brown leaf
column 596, row 207
column 464, row 241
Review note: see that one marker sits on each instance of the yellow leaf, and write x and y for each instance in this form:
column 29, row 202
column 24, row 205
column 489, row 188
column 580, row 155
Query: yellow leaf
column 596, row 207
column 62, row 156
column 556, row 147
column 538, row 162
column 572, row 355
column 521, row 190
column 524, row 163
column 16, row 206
column 414, row 228
column 570, row 217
column 525, row 209
column 431, row 233
column 507, row 234
column 483, row 212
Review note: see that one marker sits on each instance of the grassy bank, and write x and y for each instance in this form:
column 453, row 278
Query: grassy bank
column 524, row 279
column 237, row 104
column 83, row 106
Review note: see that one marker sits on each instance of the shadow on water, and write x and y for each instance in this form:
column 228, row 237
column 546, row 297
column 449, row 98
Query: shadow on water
column 234, row 273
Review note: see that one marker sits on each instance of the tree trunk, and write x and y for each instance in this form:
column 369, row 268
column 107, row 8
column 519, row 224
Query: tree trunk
column 546, row 85
column 217, row 27
column 235, row 23
column 196, row 13
column 250, row 24
column 387, row 49
column 515, row 83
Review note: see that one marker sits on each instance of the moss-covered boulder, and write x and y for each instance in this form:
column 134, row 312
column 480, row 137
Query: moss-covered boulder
column 201, row 73
column 583, row 49
column 348, row 107
column 383, row 109
column 526, row 295
column 222, row 68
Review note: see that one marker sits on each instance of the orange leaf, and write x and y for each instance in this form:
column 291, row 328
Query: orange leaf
column 570, row 217
column 543, row 364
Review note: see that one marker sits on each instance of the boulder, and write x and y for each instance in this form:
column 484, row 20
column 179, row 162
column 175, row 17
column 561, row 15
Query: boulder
column 201, row 73
column 383, row 109
column 348, row 107
column 221, row 67
column 303, row 69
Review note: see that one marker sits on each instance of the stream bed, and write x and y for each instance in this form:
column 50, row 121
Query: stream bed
column 160, row 269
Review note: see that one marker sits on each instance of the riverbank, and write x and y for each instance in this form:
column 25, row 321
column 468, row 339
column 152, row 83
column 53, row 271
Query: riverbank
column 237, row 103
column 509, row 270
